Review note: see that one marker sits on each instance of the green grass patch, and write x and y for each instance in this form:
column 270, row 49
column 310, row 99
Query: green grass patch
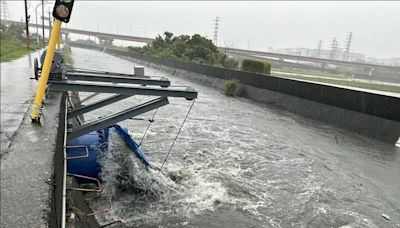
column 11, row 48
column 356, row 84
column 312, row 72
column 230, row 87
column 66, row 50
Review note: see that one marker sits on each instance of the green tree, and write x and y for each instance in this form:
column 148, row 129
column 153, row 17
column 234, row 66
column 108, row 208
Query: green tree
column 194, row 48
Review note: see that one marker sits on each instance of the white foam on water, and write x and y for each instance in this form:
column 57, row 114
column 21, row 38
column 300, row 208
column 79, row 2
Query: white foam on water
column 145, row 197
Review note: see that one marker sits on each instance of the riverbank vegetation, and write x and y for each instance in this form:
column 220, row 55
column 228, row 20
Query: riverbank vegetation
column 66, row 50
column 256, row 66
column 386, row 87
column 230, row 87
column 12, row 44
column 194, row 48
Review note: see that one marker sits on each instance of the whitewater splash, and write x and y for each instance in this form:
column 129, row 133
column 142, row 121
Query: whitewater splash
column 145, row 197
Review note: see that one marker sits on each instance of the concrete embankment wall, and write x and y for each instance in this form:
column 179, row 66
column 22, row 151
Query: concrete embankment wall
column 368, row 113
column 58, row 172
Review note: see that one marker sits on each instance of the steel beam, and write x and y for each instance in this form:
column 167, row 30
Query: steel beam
column 115, row 118
column 117, row 79
column 95, row 105
column 99, row 72
column 185, row 92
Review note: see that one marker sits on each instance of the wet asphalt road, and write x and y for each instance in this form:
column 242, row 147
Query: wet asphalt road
column 27, row 150
column 17, row 92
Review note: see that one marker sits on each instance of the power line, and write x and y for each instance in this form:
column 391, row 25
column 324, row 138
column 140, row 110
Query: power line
column 334, row 47
column 319, row 48
column 5, row 14
column 346, row 54
column 216, row 24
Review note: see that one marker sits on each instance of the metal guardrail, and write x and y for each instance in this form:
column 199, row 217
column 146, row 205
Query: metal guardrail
column 64, row 176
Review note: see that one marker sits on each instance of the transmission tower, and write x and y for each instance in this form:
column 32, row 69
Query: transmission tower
column 319, row 48
column 346, row 54
column 334, row 47
column 5, row 15
column 216, row 24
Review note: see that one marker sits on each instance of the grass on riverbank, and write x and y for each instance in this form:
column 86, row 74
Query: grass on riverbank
column 66, row 50
column 11, row 48
column 350, row 83
column 312, row 72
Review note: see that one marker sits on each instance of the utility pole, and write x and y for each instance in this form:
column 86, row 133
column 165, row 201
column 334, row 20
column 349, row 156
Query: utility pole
column 216, row 24
column 36, row 16
column 319, row 48
column 43, row 24
column 27, row 25
column 346, row 54
column 334, row 46
column 49, row 24
column 4, row 10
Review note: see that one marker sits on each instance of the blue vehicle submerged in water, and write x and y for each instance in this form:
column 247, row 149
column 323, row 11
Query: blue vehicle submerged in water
column 83, row 152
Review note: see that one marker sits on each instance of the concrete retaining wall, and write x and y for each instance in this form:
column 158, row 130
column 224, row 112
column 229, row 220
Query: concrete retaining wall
column 58, row 175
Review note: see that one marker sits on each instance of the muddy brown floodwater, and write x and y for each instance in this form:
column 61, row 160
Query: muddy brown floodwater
column 238, row 163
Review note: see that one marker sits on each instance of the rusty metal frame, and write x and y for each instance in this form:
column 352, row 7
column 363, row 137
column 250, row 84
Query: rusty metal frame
column 110, row 207
column 86, row 189
column 112, row 223
column 78, row 157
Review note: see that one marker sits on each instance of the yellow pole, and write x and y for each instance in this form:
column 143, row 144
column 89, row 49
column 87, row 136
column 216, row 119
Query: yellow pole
column 44, row 76
column 59, row 42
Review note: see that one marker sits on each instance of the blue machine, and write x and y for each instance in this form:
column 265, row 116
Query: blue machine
column 82, row 152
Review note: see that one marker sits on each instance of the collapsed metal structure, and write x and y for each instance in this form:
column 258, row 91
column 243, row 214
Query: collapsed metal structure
column 121, row 86
column 85, row 140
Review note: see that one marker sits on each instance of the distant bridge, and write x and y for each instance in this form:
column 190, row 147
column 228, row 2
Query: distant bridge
column 233, row 51
column 88, row 33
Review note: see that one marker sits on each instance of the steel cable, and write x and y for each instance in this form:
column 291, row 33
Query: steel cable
column 176, row 137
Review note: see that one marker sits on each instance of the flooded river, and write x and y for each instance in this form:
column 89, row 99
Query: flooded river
column 238, row 163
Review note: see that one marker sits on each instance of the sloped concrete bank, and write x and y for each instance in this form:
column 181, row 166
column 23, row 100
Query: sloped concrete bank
column 370, row 113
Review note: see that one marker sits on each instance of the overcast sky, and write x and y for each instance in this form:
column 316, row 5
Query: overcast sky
column 256, row 25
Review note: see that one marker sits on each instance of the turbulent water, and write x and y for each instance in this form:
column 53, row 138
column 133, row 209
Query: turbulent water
column 237, row 163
